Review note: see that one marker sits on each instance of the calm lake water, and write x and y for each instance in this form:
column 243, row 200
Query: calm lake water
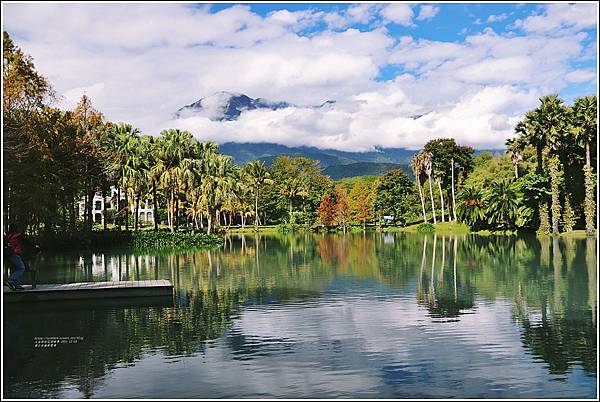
column 320, row 316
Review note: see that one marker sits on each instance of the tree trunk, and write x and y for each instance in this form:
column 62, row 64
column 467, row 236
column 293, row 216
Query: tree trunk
column 256, row 221
column 137, row 211
column 555, row 208
column 432, row 202
column 422, row 197
column 126, row 210
column 118, row 215
column 453, row 196
column 155, row 202
column 176, row 215
column 170, row 210
column 539, row 160
column 209, row 217
column 441, row 199
column 104, row 209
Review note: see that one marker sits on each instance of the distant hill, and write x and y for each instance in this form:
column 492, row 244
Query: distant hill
column 246, row 152
column 337, row 172
column 337, row 164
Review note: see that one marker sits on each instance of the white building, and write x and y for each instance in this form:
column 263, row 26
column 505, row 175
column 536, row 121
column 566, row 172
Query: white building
column 145, row 211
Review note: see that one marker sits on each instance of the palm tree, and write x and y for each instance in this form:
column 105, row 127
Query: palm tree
column 453, row 196
column 417, row 166
column 124, row 138
column 175, row 147
column 471, row 206
column 258, row 175
column 585, row 127
column 291, row 188
column 514, row 147
column 438, row 179
column 530, row 132
column 552, row 120
column 427, row 166
column 502, row 200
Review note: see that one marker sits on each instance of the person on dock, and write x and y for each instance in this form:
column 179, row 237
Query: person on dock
column 16, row 246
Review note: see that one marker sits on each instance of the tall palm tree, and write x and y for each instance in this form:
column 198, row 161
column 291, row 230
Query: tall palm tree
column 176, row 146
column 552, row 120
column 530, row 132
column 258, row 176
column 585, row 127
column 417, row 166
column 124, row 139
column 427, row 166
column 438, row 179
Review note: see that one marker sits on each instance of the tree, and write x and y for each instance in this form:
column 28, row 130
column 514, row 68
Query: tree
column 585, row 126
column 503, row 202
column 427, row 167
column 471, row 207
column 446, row 155
column 552, row 120
column 342, row 210
column 396, row 196
column 417, row 164
column 361, row 202
column 258, row 176
column 24, row 93
column 326, row 211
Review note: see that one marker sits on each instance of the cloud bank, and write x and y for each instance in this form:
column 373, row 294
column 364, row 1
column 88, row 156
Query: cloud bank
column 141, row 62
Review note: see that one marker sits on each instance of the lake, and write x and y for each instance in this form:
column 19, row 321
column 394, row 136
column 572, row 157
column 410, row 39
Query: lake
column 376, row 315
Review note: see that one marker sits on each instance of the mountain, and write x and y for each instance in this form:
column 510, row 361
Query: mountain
column 337, row 164
column 267, row 152
column 337, row 172
column 225, row 105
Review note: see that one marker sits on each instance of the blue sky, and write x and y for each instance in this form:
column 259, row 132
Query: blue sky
column 471, row 69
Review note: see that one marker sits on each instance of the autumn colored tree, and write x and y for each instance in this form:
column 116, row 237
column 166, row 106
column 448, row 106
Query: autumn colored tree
column 360, row 200
column 342, row 209
column 326, row 213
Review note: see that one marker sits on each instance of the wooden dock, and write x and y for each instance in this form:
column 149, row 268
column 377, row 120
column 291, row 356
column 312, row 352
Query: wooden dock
column 89, row 290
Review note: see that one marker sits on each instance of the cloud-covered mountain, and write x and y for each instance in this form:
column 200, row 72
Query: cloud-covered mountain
column 225, row 105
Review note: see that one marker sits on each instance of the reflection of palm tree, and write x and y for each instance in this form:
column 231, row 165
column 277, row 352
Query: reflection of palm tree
column 590, row 259
column 454, row 263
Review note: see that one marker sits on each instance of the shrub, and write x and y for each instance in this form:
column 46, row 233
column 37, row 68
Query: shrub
column 425, row 228
column 165, row 239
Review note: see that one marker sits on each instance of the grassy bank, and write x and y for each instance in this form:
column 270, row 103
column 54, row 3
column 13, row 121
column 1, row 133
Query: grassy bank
column 451, row 228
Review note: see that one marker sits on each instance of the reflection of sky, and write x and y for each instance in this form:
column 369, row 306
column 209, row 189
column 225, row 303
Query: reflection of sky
column 355, row 346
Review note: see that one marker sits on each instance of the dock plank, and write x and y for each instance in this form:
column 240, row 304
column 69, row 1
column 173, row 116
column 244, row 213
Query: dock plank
column 89, row 290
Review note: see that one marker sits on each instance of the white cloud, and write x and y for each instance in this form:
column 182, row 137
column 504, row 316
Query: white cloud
column 579, row 76
column 427, row 12
column 398, row 13
column 141, row 62
column 355, row 14
column 496, row 18
column 560, row 16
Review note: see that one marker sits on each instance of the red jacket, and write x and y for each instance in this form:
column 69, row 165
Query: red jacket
column 15, row 242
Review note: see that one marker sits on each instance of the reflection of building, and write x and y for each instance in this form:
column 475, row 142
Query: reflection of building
column 145, row 211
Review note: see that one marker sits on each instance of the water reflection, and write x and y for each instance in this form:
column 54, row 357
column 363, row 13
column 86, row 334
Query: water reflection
column 437, row 281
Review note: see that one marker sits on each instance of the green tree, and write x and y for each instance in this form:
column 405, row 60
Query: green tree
column 503, row 200
column 471, row 207
column 396, row 196
column 258, row 176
